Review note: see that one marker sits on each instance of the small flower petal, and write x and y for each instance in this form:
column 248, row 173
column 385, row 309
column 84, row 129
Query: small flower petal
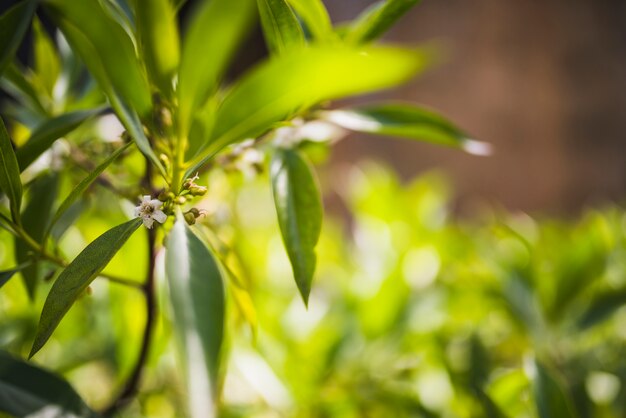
column 159, row 216
column 147, row 221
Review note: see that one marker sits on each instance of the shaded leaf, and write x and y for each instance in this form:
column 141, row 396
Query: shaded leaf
column 602, row 307
column 281, row 28
column 35, row 219
column 113, row 50
column 551, row 399
column 10, row 182
column 83, row 185
column 315, row 17
column 215, row 32
column 28, row 391
column 47, row 62
column 13, row 25
column 407, row 121
column 49, row 131
column 77, row 276
column 377, row 19
column 15, row 83
column 158, row 36
column 299, row 210
column 197, row 297
column 6, row 275
column 276, row 89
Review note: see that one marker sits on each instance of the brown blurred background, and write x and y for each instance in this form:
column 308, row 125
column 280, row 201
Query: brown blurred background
column 543, row 81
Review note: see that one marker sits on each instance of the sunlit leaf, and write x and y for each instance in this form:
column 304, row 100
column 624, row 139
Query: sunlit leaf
column 377, row 19
column 551, row 398
column 30, row 391
column 315, row 16
column 10, row 182
column 113, row 50
column 280, row 25
column 406, row 121
column 49, row 131
column 13, row 25
column 158, row 37
column 299, row 209
column 217, row 29
column 197, row 297
column 276, row 89
column 35, row 219
column 47, row 62
column 77, row 276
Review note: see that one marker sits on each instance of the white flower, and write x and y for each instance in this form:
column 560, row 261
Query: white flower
column 149, row 210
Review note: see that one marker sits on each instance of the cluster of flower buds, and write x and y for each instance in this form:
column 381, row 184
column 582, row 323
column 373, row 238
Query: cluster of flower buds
column 192, row 214
column 192, row 188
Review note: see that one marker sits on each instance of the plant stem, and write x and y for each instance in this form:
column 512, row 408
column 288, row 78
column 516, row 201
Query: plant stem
column 131, row 386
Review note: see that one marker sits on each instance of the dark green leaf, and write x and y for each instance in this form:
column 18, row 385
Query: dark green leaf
column 602, row 307
column 551, row 398
column 6, row 275
column 13, row 25
column 16, row 84
column 280, row 26
column 158, row 35
column 30, row 391
column 35, row 219
column 77, row 276
column 10, row 181
column 215, row 32
column 113, row 54
column 44, row 135
column 276, row 89
column 197, row 296
column 315, row 17
column 299, row 210
column 83, row 185
column 377, row 19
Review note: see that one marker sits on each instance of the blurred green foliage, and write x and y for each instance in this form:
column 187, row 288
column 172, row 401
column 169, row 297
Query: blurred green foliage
column 415, row 312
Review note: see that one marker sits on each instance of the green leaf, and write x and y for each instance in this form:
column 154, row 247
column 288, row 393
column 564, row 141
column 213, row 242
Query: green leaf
column 29, row 391
column 47, row 61
column 158, row 35
column 280, row 26
column 16, row 84
column 49, row 131
column 551, row 399
column 77, row 276
column 377, row 19
column 299, row 210
column 602, row 307
column 83, row 185
column 406, row 121
column 13, row 25
column 10, row 181
column 315, row 17
column 35, row 219
column 278, row 88
column 5, row 275
column 112, row 53
column 217, row 29
column 197, row 297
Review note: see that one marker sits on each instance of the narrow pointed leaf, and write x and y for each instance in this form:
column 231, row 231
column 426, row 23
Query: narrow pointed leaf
column 49, row 131
column 602, row 307
column 83, row 185
column 13, row 25
column 114, row 49
column 405, row 121
column 5, row 275
column 217, row 29
column 551, row 398
column 281, row 28
column 35, row 219
column 158, row 35
column 315, row 16
column 77, row 276
column 299, row 210
column 197, row 297
column 377, row 19
column 279, row 87
column 10, row 182
column 47, row 61
column 28, row 391
column 16, row 84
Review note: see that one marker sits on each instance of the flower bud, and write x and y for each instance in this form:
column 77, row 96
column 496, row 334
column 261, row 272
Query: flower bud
column 189, row 218
column 180, row 200
column 196, row 190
